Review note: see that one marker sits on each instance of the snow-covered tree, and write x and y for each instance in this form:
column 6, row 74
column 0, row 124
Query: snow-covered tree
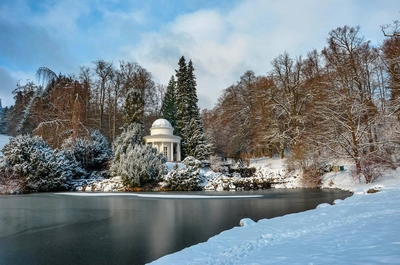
column 194, row 141
column 181, row 96
column 192, row 107
column 138, row 87
column 22, row 119
column 38, row 166
column 351, row 110
column 289, row 99
column 135, row 163
column 134, row 107
column 140, row 164
column 203, row 148
column 391, row 56
column 93, row 154
column 184, row 179
column 101, row 151
column 189, row 123
column 169, row 109
column 238, row 124
column 19, row 149
column 4, row 119
column 130, row 136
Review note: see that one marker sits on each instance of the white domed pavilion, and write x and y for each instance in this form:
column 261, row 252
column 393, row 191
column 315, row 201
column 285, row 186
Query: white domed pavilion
column 162, row 137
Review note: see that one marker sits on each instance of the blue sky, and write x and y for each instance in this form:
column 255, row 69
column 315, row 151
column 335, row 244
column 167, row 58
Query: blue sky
column 223, row 38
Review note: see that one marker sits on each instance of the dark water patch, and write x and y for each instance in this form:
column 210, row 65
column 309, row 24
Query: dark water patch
column 60, row 229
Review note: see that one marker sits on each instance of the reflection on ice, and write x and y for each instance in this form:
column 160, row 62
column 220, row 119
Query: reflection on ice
column 160, row 196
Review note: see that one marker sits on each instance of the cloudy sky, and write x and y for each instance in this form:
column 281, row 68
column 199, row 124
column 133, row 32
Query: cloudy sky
column 223, row 38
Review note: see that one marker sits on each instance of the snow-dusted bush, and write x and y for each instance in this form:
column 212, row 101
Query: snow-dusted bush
column 307, row 161
column 94, row 154
column 244, row 172
column 373, row 167
column 9, row 182
column 264, row 177
column 222, row 182
column 217, row 165
column 311, row 177
column 139, row 165
column 127, row 139
column 56, row 171
column 240, row 163
column 135, row 163
column 19, row 149
column 203, row 151
column 184, row 179
column 38, row 166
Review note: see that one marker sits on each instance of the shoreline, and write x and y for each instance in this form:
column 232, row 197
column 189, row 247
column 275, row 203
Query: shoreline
column 327, row 234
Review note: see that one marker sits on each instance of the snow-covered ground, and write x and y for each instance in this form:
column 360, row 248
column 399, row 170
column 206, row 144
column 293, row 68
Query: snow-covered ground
column 3, row 140
column 362, row 229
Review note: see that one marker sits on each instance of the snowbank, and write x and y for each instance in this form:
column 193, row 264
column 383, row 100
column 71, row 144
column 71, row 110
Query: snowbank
column 106, row 185
column 362, row 229
column 269, row 173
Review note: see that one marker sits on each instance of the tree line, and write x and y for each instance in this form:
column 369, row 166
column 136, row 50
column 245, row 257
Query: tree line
column 340, row 102
column 66, row 126
column 107, row 98
column 64, row 106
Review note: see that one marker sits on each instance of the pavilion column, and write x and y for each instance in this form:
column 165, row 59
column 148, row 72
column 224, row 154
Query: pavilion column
column 179, row 151
column 172, row 152
column 162, row 148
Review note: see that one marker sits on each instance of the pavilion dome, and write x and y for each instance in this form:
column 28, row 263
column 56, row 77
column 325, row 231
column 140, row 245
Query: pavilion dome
column 161, row 123
column 161, row 127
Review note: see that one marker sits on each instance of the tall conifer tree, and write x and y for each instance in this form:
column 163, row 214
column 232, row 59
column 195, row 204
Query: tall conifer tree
column 134, row 107
column 193, row 109
column 189, row 123
column 169, row 108
column 181, row 97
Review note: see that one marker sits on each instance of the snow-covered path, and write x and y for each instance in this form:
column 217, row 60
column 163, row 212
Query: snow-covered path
column 362, row 229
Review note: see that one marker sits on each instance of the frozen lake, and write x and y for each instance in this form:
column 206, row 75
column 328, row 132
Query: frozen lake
column 61, row 228
column 3, row 140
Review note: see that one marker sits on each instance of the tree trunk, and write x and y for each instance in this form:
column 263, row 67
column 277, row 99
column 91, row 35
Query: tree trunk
column 282, row 152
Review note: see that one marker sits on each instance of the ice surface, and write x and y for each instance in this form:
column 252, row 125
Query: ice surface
column 157, row 195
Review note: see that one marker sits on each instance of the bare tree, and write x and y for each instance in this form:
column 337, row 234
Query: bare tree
column 350, row 110
column 288, row 100
column 391, row 30
column 104, row 71
column 391, row 56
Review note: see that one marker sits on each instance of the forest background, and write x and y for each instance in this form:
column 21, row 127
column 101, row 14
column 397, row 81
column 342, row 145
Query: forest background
column 339, row 102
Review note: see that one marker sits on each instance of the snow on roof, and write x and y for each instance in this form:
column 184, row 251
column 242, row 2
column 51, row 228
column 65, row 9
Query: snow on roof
column 161, row 123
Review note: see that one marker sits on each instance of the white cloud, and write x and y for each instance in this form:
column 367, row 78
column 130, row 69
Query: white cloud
column 61, row 17
column 7, row 85
column 224, row 44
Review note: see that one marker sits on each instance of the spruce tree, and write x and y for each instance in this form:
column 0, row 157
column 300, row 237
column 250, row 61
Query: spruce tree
column 134, row 107
column 181, row 98
column 169, row 108
column 138, row 85
column 189, row 123
column 193, row 109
